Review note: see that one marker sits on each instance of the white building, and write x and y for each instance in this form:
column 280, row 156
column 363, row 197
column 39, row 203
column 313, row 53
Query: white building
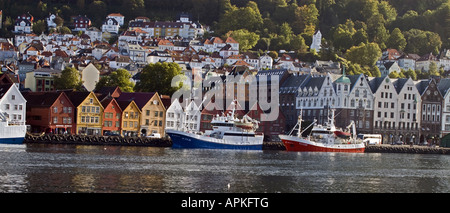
column 386, row 101
column 183, row 119
column 110, row 25
column 444, row 88
column 90, row 77
column 51, row 21
column 12, row 104
column 118, row 17
column 316, row 41
column 174, row 116
column 94, row 33
column 408, row 107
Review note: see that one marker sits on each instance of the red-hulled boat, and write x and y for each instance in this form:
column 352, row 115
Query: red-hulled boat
column 324, row 139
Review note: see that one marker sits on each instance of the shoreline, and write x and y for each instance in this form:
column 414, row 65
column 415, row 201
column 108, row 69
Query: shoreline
column 165, row 142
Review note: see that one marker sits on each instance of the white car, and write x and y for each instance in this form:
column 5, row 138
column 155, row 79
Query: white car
column 154, row 135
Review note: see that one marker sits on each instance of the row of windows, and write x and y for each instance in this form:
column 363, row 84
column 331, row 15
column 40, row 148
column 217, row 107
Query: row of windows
column 88, row 109
column 65, row 109
column 391, row 125
column 16, row 107
column 65, row 120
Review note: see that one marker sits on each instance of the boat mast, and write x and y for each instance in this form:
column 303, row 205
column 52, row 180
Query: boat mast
column 299, row 122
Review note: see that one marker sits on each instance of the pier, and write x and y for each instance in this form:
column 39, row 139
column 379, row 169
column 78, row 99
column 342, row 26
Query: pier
column 166, row 142
column 387, row 148
column 98, row 140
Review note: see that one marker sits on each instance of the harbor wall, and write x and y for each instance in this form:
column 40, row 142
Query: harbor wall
column 406, row 149
column 166, row 142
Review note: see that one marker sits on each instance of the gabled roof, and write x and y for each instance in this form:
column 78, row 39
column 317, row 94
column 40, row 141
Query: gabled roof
column 375, row 82
column 42, row 99
column 140, row 98
column 231, row 40
column 77, row 97
column 4, row 88
column 444, row 85
column 399, row 84
column 422, row 85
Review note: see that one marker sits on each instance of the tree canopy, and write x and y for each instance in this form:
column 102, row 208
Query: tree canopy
column 158, row 77
column 119, row 77
column 69, row 79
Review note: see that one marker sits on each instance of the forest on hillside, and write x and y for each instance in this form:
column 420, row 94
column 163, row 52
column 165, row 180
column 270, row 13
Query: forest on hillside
column 353, row 30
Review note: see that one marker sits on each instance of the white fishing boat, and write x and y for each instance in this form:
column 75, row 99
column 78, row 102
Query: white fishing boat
column 228, row 132
column 11, row 132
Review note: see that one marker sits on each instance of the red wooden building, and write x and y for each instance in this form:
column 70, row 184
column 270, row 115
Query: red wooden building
column 112, row 117
column 50, row 112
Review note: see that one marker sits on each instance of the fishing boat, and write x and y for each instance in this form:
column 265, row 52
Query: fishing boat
column 228, row 132
column 11, row 132
column 324, row 138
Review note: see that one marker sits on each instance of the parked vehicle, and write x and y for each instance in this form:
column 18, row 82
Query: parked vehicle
column 154, row 135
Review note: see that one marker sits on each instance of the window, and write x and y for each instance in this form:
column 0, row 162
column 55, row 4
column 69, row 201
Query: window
column 156, row 113
column 55, row 120
column 6, row 106
column 13, row 97
column 55, row 109
column 91, row 101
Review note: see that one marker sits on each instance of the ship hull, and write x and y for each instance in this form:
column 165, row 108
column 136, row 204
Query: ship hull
column 192, row 141
column 302, row 145
column 18, row 140
column 12, row 134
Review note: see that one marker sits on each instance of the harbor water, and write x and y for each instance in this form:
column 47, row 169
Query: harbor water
column 100, row 169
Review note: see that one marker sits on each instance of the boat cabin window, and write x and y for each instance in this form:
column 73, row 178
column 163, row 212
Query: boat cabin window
column 223, row 124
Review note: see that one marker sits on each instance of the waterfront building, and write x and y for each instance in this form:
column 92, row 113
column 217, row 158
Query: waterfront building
column 50, row 112
column 112, row 117
column 354, row 102
column 314, row 96
column 131, row 115
column 385, row 109
column 288, row 96
column 444, row 88
column 431, row 108
column 153, row 116
column 89, row 112
column 12, row 104
column 175, row 116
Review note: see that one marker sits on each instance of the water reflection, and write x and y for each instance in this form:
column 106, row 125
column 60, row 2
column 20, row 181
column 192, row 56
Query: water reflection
column 74, row 168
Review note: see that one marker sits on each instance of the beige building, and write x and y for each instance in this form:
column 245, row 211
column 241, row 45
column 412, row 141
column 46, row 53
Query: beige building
column 153, row 112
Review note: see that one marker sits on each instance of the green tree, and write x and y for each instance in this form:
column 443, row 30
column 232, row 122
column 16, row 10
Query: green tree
column 247, row 40
column 39, row 27
column 364, row 54
column 119, row 77
column 235, row 18
column 422, row 42
column 433, row 69
column 157, row 77
column 396, row 40
column 306, row 19
column 69, row 79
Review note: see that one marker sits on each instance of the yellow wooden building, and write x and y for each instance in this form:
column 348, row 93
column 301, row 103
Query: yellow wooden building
column 153, row 112
column 89, row 112
column 131, row 116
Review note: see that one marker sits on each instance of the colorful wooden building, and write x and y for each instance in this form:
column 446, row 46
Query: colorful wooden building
column 153, row 116
column 89, row 112
column 112, row 117
column 131, row 115
column 50, row 112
